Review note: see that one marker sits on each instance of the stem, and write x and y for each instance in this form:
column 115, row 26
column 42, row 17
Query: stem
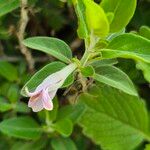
column 21, row 31
column 88, row 49
column 48, row 122
column 85, row 58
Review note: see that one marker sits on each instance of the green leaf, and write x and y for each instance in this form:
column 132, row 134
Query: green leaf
column 63, row 126
column 4, row 144
column 21, row 127
column 52, row 46
column 123, row 12
column 8, row 6
column 145, row 67
column 22, row 107
column 43, row 73
column 35, row 145
column 82, row 25
column 145, row 32
column 6, row 70
column 147, row 147
column 116, row 78
column 129, row 67
column 13, row 93
column 72, row 112
column 112, row 119
column 128, row 46
column 63, row 144
column 96, row 19
column 110, row 17
column 4, row 105
column 87, row 71
column 101, row 43
column 104, row 62
column 113, row 35
column 5, row 88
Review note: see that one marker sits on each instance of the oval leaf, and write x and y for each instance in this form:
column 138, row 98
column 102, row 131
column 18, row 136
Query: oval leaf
column 112, row 118
column 82, row 25
column 52, row 46
column 87, row 71
column 6, row 70
column 4, row 105
column 116, row 78
column 96, row 18
column 123, row 11
column 63, row 126
column 128, row 46
column 8, row 6
column 63, row 144
column 21, row 127
column 42, row 74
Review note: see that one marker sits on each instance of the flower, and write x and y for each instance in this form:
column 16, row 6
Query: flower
column 46, row 91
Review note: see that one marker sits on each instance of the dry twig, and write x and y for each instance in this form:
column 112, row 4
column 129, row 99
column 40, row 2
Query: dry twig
column 22, row 26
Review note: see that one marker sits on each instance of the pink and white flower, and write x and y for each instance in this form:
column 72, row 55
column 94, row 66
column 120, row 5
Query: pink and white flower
column 42, row 97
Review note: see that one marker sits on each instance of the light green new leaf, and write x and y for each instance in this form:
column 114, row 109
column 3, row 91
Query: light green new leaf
column 123, row 11
column 7, row 6
column 145, row 67
column 21, row 127
column 42, row 74
column 96, row 18
column 63, row 144
column 63, row 126
column 6, row 70
column 116, row 78
column 82, row 25
column 112, row 119
column 128, row 46
column 52, row 46
column 110, row 16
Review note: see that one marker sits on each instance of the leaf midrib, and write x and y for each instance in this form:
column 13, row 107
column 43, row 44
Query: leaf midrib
column 54, row 53
column 22, row 128
column 123, row 87
column 129, row 51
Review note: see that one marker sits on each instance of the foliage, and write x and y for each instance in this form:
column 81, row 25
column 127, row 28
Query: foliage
column 103, row 103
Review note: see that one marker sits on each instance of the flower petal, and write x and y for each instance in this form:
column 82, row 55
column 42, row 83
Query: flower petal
column 31, row 93
column 52, row 94
column 47, row 100
column 56, row 80
column 35, row 102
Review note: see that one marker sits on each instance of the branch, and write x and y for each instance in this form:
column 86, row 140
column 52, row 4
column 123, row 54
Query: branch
column 22, row 26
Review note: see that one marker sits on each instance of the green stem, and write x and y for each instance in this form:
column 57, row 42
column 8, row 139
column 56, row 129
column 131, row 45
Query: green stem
column 47, row 120
column 89, row 45
column 85, row 58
